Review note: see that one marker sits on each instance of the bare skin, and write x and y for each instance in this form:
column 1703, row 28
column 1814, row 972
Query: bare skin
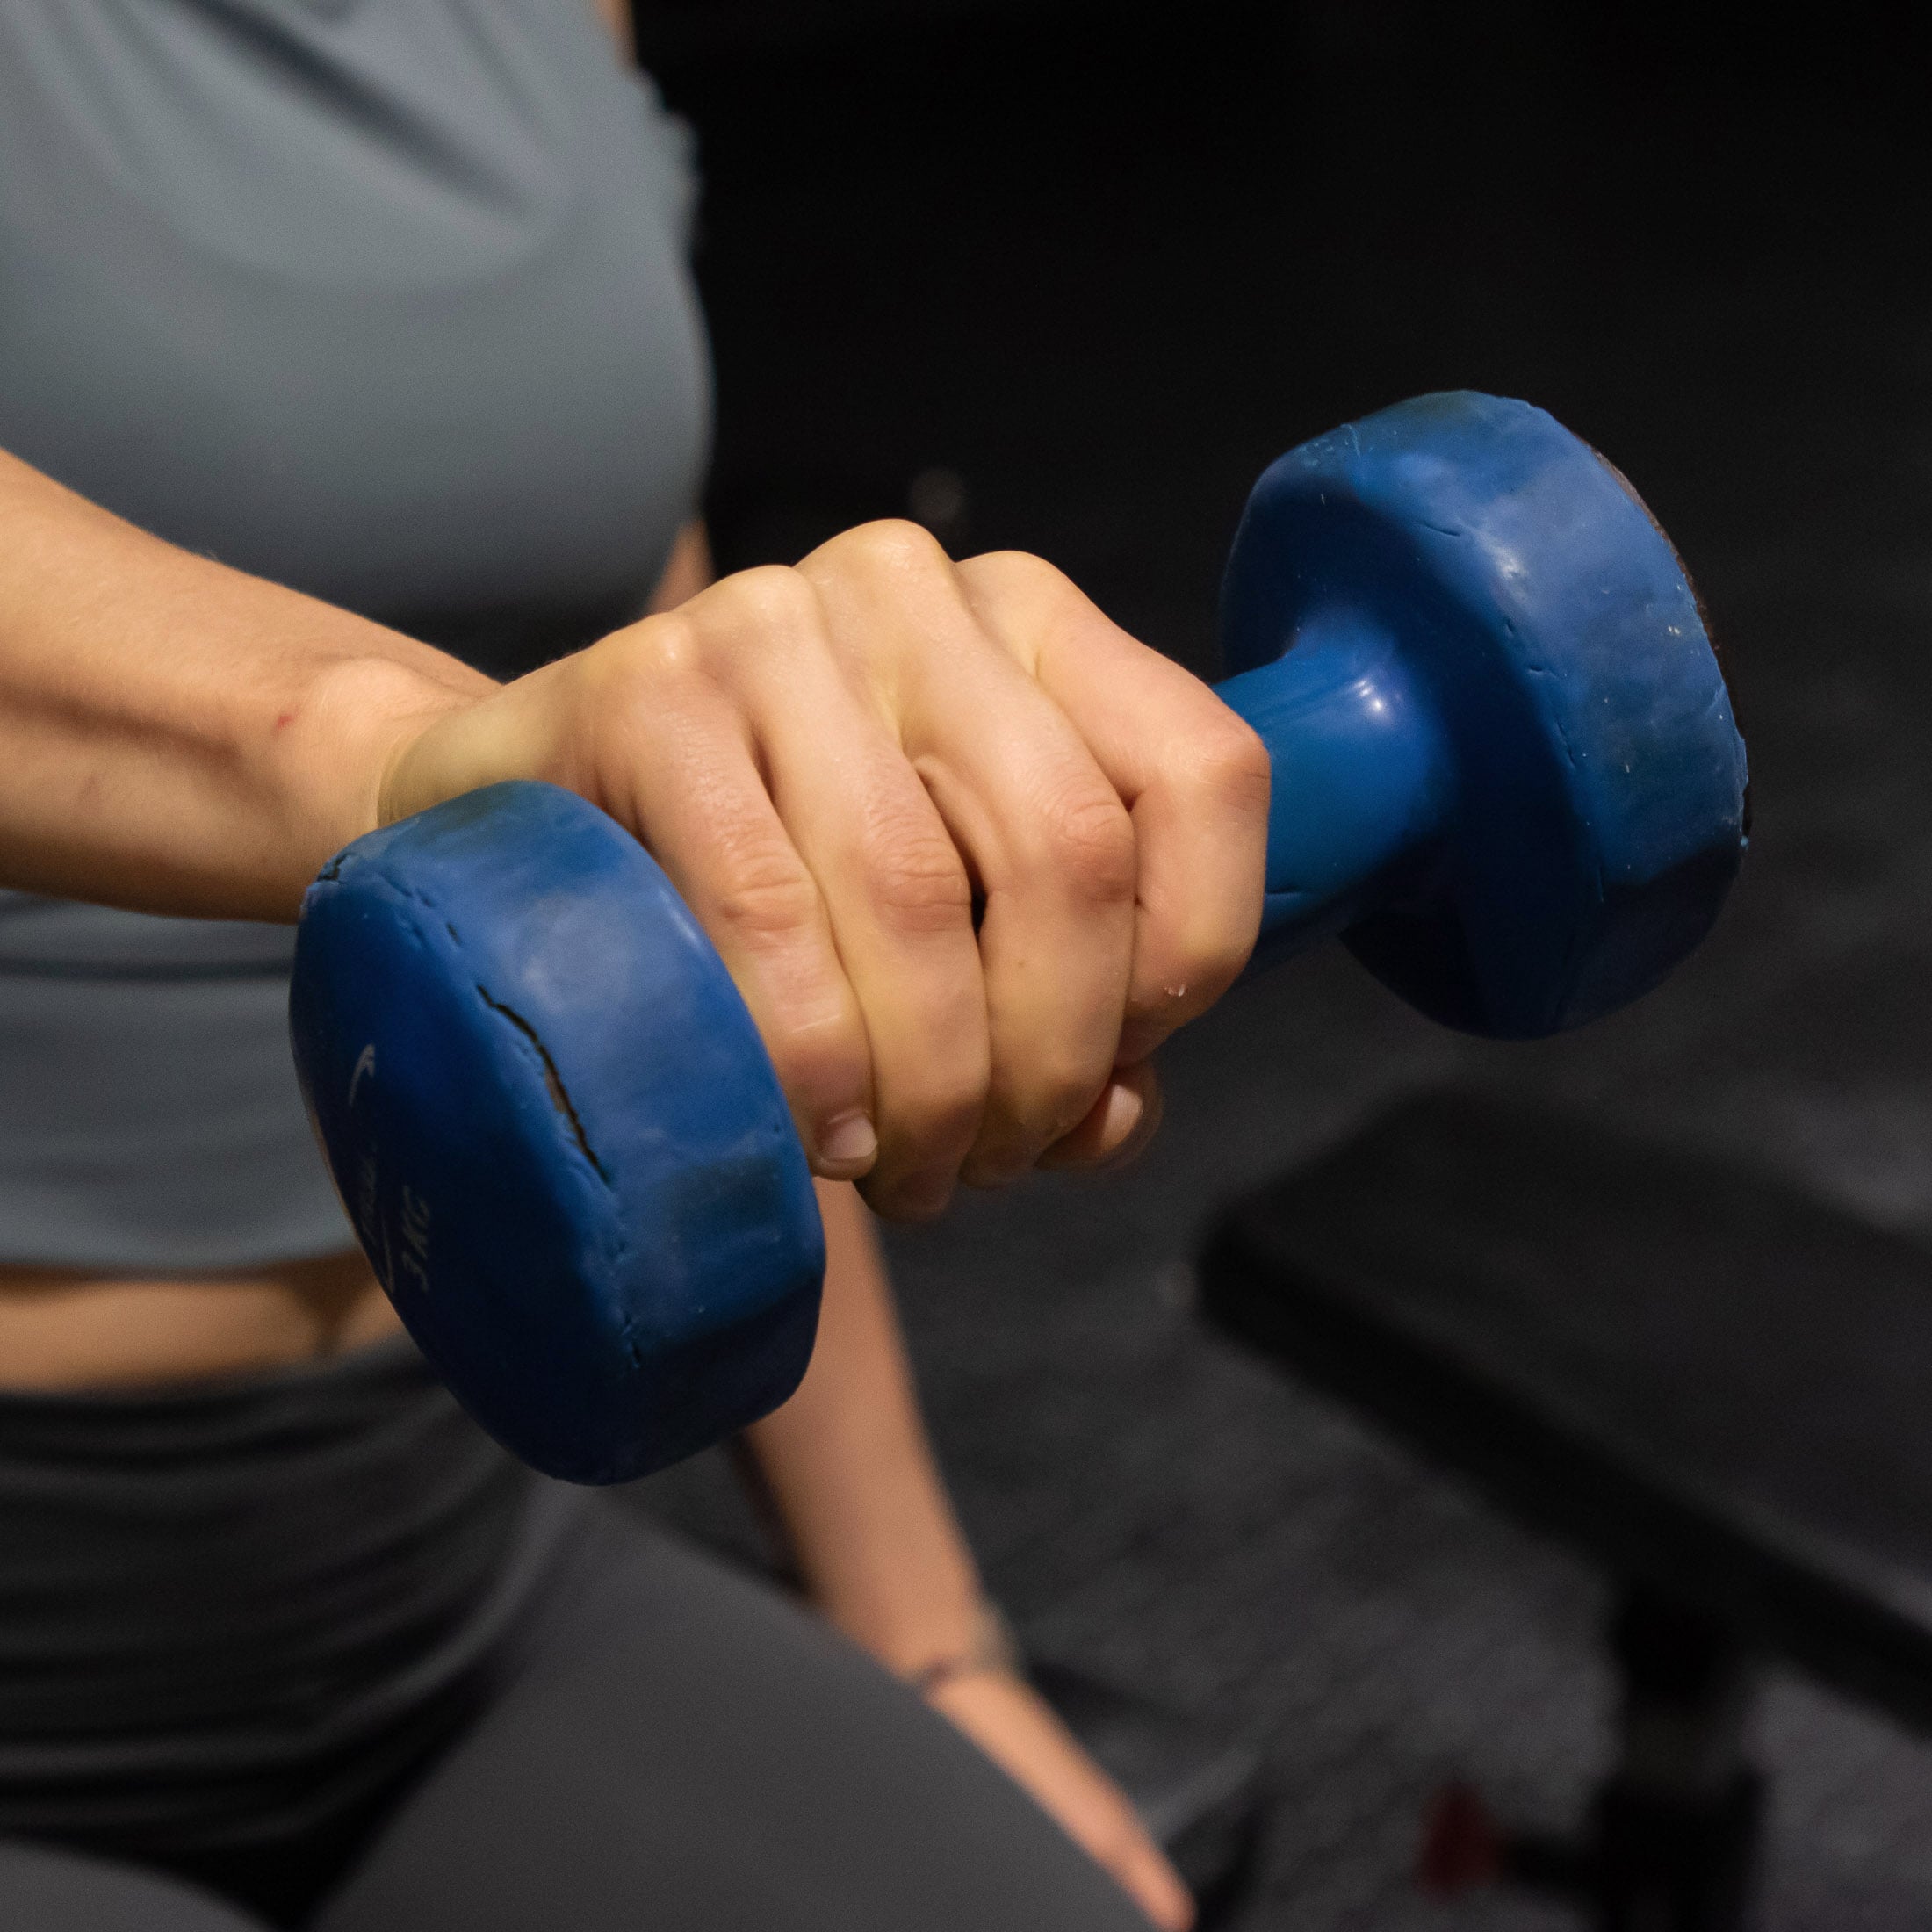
column 848, row 1469
column 970, row 852
column 846, row 1464
column 67, row 1328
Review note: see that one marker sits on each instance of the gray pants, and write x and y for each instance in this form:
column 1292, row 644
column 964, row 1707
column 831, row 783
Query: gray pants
column 672, row 1747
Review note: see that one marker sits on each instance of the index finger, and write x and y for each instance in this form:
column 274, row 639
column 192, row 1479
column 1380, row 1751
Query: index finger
column 1194, row 776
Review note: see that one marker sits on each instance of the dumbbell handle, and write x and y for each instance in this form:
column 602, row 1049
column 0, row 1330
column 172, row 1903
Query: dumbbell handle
column 1504, row 764
column 1360, row 775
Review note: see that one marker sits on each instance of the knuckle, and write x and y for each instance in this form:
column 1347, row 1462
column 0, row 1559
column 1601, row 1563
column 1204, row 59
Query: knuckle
column 918, row 885
column 1017, row 571
column 762, row 893
column 1090, row 843
column 772, row 598
column 1195, row 951
column 657, row 651
column 1225, row 766
column 889, row 546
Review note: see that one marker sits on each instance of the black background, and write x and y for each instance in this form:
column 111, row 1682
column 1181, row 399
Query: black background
column 1066, row 278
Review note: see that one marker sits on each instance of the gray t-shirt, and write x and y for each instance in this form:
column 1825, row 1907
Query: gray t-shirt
column 384, row 299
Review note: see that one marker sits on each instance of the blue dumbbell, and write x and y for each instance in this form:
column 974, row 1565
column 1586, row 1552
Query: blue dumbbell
column 1505, row 774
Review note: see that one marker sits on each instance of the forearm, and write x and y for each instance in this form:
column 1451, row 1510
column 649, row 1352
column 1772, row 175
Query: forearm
column 851, row 1474
column 176, row 736
column 847, row 1465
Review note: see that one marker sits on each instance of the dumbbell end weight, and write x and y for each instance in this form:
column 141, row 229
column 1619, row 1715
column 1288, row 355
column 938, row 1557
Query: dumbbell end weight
column 1505, row 766
column 557, row 1132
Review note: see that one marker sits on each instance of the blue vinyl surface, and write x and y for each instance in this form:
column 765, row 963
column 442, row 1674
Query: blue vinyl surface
column 557, row 1131
column 1553, row 806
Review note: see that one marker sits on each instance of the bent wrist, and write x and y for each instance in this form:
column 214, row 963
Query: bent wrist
column 362, row 717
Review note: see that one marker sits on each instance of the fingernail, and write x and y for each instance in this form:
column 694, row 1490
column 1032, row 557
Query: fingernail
column 848, row 1141
column 1125, row 1105
column 1135, row 1123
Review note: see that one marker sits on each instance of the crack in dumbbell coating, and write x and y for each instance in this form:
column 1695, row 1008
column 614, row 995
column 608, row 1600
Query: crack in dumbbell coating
column 554, row 1081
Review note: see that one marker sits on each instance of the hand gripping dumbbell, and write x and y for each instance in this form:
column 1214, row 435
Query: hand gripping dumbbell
column 1505, row 773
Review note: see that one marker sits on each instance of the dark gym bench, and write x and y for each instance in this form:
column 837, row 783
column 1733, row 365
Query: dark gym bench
column 1716, row 1387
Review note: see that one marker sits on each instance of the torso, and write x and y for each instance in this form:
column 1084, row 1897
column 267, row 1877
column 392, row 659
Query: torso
column 385, row 301
column 73, row 1329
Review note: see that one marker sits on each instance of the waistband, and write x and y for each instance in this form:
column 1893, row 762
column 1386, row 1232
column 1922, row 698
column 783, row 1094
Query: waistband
column 220, row 1607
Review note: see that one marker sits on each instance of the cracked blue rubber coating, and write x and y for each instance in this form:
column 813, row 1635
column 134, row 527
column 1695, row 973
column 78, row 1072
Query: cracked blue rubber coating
column 557, row 1132
column 1505, row 766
